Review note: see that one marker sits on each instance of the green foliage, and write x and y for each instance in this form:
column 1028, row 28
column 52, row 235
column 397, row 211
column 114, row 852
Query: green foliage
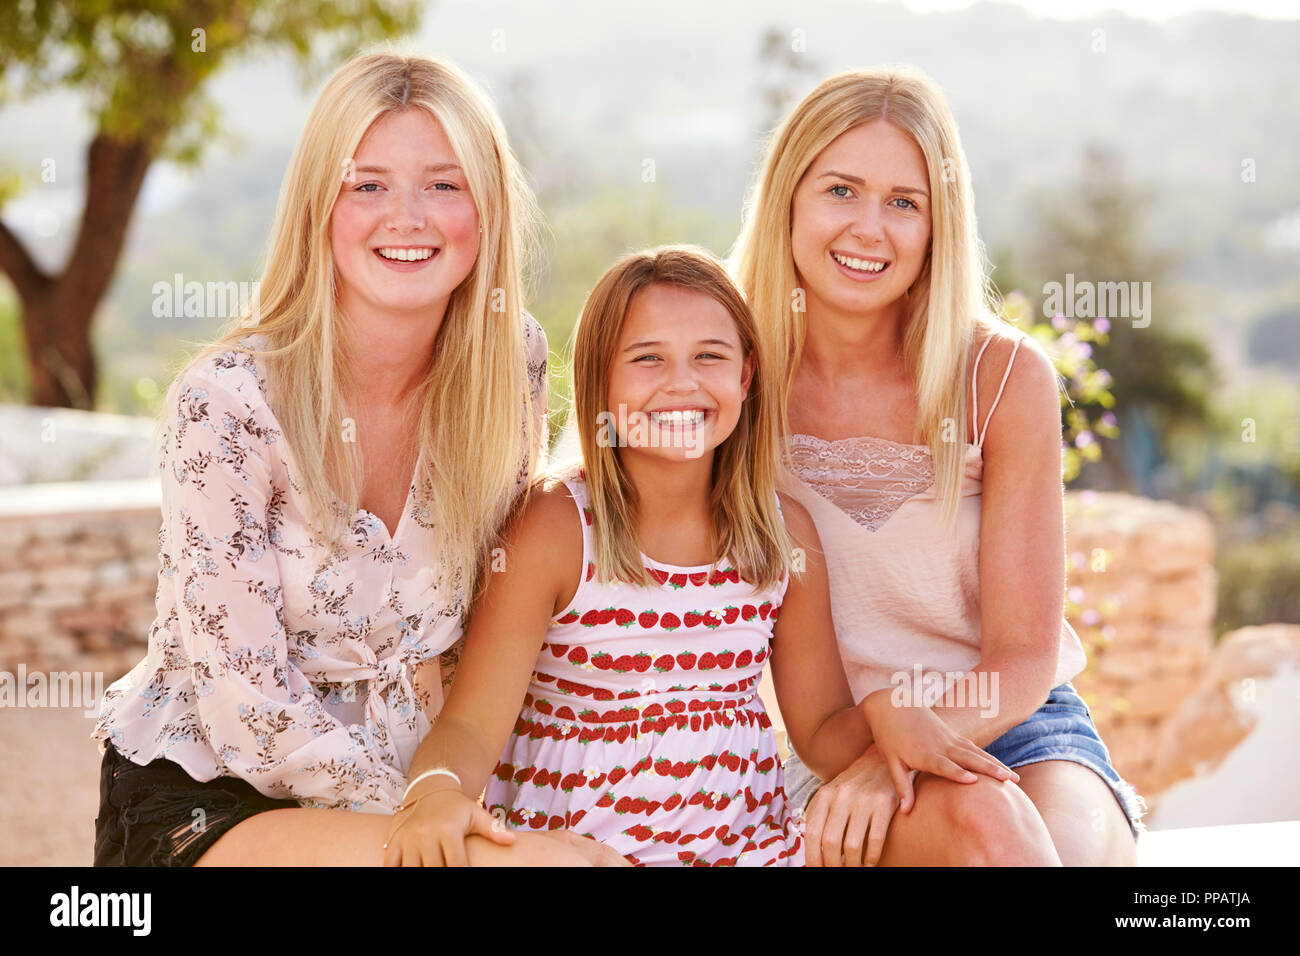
column 1256, row 445
column 142, row 63
column 1161, row 372
column 1086, row 400
column 139, row 61
column 13, row 367
column 1259, row 581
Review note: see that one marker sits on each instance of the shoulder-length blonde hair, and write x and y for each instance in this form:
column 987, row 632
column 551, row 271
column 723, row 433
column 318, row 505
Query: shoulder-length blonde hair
column 475, row 402
column 746, row 522
column 951, row 297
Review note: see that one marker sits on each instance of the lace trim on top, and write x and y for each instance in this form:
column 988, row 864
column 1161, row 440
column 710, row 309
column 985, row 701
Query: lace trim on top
column 867, row 478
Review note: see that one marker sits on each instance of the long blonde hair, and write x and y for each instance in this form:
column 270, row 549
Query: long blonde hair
column 950, row 298
column 471, row 434
column 746, row 523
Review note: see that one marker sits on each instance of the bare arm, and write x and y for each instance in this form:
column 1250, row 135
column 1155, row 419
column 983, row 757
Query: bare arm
column 1022, row 543
column 826, row 730
column 502, row 642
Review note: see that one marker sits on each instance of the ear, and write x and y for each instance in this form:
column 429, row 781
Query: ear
column 747, row 373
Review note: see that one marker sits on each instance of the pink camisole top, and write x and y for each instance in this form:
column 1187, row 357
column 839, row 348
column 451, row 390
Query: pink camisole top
column 904, row 585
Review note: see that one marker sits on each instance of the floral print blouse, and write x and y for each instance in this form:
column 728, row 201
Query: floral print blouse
column 270, row 659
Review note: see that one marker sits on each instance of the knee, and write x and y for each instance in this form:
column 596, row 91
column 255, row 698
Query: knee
column 527, row 849
column 996, row 824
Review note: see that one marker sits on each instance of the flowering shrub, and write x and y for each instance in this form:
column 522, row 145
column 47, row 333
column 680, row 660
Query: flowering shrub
column 1086, row 401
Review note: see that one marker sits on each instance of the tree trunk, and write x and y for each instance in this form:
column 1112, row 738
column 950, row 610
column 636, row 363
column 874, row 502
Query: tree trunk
column 58, row 310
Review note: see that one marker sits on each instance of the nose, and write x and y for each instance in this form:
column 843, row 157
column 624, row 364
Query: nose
column 869, row 226
column 405, row 214
column 681, row 378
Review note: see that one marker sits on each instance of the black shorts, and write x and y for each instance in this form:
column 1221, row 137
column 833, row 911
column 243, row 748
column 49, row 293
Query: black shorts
column 158, row 815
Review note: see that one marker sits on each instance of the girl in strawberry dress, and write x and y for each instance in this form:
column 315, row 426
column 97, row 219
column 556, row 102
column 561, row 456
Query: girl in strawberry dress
column 634, row 604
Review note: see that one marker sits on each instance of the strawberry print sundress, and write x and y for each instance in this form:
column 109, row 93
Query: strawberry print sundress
column 642, row 726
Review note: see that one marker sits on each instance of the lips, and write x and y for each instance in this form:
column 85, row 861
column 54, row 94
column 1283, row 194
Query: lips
column 860, row 269
column 406, row 265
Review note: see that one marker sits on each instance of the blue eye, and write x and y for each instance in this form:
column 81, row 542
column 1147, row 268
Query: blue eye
column 839, row 195
column 450, row 187
column 908, row 201
column 362, row 187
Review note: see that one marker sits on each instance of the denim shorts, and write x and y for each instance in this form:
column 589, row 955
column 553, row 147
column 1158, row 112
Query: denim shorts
column 1061, row 729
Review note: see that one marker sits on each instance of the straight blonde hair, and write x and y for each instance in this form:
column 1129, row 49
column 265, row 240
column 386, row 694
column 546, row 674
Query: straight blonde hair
column 475, row 402
column 746, row 522
column 950, row 299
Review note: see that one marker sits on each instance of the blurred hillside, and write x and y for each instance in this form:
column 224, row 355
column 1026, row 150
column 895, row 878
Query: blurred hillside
column 590, row 94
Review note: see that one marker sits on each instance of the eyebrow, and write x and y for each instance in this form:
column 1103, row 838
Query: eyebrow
column 857, row 181
column 431, row 168
column 642, row 345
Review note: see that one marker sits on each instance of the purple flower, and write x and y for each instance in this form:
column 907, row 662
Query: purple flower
column 1109, row 420
column 1102, row 325
column 1083, row 439
column 1058, row 322
column 1090, row 617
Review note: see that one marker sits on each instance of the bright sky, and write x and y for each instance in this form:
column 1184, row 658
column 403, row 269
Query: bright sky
column 1145, row 9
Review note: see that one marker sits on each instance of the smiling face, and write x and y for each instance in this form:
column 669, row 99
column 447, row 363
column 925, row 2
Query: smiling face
column 405, row 230
column 860, row 220
column 678, row 377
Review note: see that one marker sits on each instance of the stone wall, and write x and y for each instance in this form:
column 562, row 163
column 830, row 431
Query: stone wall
column 1142, row 598
column 78, row 575
column 1247, row 666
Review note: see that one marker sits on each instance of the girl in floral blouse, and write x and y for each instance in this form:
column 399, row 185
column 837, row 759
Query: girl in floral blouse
column 332, row 489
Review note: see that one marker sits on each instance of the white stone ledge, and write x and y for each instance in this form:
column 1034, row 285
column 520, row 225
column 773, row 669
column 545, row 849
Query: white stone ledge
column 1243, row 844
column 89, row 498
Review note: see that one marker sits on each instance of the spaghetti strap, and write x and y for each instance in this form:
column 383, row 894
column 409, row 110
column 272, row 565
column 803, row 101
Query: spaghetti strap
column 1005, row 375
column 974, row 397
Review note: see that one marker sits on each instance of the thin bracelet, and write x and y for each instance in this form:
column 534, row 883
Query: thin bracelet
column 426, row 774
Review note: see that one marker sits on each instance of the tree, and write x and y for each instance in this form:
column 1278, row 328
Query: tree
column 786, row 69
column 142, row 65
column 1161, row 374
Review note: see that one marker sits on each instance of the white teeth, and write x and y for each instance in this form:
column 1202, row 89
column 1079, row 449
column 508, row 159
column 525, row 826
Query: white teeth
column 406, row 255
column 862, row 265
column 677, row 417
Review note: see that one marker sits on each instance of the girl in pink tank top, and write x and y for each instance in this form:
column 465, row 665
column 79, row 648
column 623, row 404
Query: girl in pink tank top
column 638, row 600
column 942, row 527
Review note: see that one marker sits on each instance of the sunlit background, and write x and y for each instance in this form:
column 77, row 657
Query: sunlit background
column 1158, row 146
